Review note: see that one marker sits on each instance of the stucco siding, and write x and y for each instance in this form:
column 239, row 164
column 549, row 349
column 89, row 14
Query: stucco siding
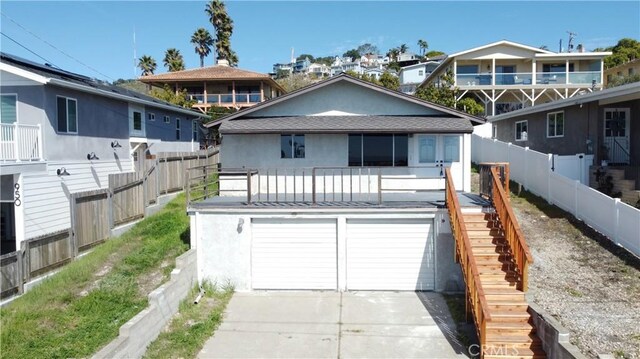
column 29, row 104
column 344, row 97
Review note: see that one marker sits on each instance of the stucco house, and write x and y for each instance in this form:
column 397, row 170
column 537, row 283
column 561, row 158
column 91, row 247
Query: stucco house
column 336, row 186
column 62, row 133
column 506, row 76
column 413, row 75
column 604, row 123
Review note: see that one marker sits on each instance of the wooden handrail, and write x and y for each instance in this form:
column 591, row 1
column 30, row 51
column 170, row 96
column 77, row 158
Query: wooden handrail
column 475, row 293
column 512, row 232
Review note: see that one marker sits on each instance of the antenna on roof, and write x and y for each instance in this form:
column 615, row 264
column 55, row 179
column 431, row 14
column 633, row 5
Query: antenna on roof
column 134, row 54
column 292, row 58
column 572, row 35
column 560, row 48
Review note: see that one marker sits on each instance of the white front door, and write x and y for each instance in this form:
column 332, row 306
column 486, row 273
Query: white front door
column 294, row 254
column 441, row 151
column 616, row 134
column 390, row 254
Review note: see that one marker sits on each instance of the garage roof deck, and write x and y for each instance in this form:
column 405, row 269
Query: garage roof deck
column 426, row 199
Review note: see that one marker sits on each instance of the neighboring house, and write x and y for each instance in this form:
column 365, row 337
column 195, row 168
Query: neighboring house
column 605, row 124
column 284, row 67
column 220, row 85
column 55, row 123
column 373, row 72
column 319, row 70
column 506, row 76
column 407, row 58
column 627, row 69
column 341, row 188
column 301, row 65
column 413, row 75
column 344, row 64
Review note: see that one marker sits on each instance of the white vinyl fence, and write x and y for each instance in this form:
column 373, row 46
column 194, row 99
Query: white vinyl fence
column 611, row 217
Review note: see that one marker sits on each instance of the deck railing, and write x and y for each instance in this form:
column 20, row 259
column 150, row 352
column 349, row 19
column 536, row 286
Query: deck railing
column 20, row 142
column 512, row 233
column 314, row 184
column 485, row 178
column 475, row 294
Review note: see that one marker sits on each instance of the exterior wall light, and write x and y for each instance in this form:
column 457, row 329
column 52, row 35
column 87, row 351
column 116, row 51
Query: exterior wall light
column 62, row 172
column 92, row 156
column 115, row 144
column 240, row 223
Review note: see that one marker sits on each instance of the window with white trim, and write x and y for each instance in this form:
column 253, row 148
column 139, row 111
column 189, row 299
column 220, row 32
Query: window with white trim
column 495, row 131
column 451, row 148
column 67, row 115
column 427, row 149
column 555, row 124
column 194, row 127
column 522, row 128
column 151, row 116
column 177, row 129
column 167, row 119
column 8, row 109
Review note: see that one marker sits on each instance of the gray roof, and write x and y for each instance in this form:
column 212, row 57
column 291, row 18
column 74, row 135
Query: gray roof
column 348, row 124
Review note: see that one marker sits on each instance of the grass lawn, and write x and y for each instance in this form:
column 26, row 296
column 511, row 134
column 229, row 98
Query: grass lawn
column 80, row 309
column 192, row 326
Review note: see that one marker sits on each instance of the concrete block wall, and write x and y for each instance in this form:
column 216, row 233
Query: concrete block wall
column 555, row 338
column 141, row 330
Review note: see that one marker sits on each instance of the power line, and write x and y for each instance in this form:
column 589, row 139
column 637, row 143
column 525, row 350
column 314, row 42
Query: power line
column 24, row 47
column 53, row 46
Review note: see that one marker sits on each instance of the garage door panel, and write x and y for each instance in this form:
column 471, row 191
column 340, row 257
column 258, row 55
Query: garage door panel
column 390, row 254
column 293, row 254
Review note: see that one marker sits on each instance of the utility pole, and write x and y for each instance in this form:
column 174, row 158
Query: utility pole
column 572, row 35
column 135, row 58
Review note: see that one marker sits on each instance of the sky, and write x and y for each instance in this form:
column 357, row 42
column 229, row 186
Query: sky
column 97, row 38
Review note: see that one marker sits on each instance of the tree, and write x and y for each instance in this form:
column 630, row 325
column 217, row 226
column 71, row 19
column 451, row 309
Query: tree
column 303, row 56
column 389, row 81
column 434, row 53
column 294, row 82
column 173, row 60
column 366, row 49
column 147, row 64
column 446, row 95
column 167, row 94
column 423, row 45
column 624, row 51
column 327, row 60
column 203, row 42
column 403, row 48
column 393, row 54
column 353, row 54
column 223, row 26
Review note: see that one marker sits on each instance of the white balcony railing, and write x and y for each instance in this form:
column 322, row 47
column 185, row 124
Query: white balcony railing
column 526, row 78
column 20, row 142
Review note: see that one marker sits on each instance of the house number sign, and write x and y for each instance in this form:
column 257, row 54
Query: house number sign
column 16, row 196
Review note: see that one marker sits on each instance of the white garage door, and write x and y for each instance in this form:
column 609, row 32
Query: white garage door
column 390, row 254
column 293, row 254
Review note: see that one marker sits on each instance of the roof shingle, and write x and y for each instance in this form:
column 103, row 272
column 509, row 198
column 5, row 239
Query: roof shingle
column 217, row 72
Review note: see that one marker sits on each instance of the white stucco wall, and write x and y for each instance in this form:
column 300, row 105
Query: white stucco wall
column 224, row 248
column 345, row 97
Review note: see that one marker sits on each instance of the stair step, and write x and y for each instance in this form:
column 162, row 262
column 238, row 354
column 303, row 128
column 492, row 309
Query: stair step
column 508, row 306
column 483, row 224
column 510, row 316
column 514, row 353
column 503, row 294
column 476, row 232
column 525, row 328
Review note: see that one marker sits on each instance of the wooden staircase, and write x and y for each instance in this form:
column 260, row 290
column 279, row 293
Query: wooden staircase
column 494, row 259
column 510, row 333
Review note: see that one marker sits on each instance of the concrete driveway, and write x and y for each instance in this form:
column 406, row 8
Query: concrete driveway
column 274, row 324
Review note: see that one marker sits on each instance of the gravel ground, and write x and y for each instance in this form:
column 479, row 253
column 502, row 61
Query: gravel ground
column 589, row 285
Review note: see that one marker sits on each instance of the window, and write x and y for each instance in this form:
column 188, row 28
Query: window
column 291, row 146
column 167, row 119
column 67, row 115
column 451, row 148
column 521, row 130
column 194, row 126
column 151, row 116
column 378, row 150
column 631, row 72
column 427, row 149
column 137, row 121
column 177, row 128
column 420, row 72
column 555, row 124
column 8, row 113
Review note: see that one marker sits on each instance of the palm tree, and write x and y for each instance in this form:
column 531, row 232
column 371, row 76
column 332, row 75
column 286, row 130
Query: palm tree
column 423, row 46
column 173, row 60
column 393, row 54
column 203, row 42
column 147, row 64
column 403, row 48
column 223, row 26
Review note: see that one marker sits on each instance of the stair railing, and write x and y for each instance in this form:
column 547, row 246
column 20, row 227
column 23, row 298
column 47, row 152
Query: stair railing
column 512, row 233
column 475, row 294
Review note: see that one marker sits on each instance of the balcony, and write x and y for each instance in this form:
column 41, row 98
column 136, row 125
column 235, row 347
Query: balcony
column 20, row 142
column 225, row 100
column 526, row 78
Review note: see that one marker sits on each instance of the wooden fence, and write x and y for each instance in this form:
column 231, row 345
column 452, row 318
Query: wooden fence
column 95, row 213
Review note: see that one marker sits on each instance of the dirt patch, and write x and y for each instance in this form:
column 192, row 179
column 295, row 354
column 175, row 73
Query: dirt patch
column 589, row 285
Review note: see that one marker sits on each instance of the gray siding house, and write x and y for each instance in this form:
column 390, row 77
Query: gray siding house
column 55, row 121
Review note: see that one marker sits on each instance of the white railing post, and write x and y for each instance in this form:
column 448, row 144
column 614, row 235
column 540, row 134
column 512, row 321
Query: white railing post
column 526, row 168
column 16, row 147
column 40, row 149
column 616, row 219
column 549, row 164
column 576, row 212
